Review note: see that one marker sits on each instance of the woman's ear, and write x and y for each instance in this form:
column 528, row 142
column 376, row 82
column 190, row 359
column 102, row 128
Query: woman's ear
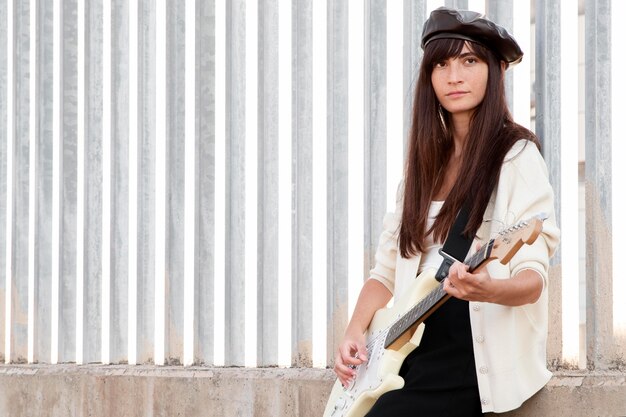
column 503, row 67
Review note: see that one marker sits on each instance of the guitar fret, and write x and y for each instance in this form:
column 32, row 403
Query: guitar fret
column 416, row 312
column 478, row 258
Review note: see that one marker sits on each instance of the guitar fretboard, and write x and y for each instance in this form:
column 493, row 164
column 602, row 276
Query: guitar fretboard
column 432, row 300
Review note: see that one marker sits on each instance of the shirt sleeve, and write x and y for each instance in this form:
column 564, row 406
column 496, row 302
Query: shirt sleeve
column 524, row 178
column 385, row 268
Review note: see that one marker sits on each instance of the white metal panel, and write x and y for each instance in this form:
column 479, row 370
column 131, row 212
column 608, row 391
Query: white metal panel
column 602, row 352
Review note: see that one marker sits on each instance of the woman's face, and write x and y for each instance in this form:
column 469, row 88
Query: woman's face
column 460, row 82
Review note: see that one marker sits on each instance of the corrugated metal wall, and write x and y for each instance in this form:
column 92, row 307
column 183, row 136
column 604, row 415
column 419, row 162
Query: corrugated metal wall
column 204, row 182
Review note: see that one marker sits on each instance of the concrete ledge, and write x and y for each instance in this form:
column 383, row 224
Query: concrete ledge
column 584, row 394
column 122, row 390
column 107, row 391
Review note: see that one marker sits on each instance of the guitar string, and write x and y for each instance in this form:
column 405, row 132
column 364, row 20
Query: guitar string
column 435, row 294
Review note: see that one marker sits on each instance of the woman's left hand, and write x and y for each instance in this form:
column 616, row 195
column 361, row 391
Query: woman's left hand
column 524, row 288
column 465, row 285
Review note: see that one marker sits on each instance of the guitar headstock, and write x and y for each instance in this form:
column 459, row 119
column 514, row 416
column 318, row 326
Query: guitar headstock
column 510, row 240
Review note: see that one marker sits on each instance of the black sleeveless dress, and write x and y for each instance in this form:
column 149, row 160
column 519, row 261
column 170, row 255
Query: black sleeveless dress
column 440, row 375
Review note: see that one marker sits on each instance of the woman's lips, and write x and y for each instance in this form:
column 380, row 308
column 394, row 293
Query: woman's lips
column 454, row 94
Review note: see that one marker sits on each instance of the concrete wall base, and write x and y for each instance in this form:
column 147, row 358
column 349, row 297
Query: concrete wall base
column 122, row 390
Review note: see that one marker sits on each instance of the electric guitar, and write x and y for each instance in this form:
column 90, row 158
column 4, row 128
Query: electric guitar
column 395, row 332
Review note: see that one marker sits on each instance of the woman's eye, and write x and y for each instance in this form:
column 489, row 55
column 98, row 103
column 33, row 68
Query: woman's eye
column 440, row 64
column 471, row 60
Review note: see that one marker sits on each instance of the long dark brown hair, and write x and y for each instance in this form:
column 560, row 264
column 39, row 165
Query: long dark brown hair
column 491, row 134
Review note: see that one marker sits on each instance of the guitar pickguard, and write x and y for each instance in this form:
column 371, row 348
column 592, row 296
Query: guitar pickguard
column 380, row 374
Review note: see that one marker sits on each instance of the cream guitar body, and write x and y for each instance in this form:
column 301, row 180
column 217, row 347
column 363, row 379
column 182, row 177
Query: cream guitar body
column 395, row 332
column 380, row 373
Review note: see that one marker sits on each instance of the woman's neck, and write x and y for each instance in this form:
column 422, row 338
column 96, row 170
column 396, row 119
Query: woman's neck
column 460, row 130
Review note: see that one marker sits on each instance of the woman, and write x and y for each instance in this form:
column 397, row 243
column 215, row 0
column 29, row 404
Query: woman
column 484, row 349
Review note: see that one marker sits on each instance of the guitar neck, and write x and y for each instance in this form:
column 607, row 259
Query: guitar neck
column 418, row 313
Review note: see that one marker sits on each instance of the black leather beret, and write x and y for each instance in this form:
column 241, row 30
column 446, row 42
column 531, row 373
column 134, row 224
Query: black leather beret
column 464, row 24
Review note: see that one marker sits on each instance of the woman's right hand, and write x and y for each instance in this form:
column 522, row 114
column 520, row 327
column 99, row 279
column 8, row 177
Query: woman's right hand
column 351, row 353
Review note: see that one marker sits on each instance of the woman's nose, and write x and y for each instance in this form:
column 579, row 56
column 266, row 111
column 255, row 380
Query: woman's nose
column 454, row 75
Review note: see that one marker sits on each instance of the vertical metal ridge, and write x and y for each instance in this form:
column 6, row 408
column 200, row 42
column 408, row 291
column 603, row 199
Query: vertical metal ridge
column 205, row 183
column 92, row 255
column 375, row 167
column 146, row 200
column 415, row 15
column 20, row 184
column 190, row 178
column 175, row 183
column 501, row 12
column 4, row 108
column 267, row 235
column 68, row 182
column 456, row 4
column 235, row 183
column 337, row 226
column 43, row 187
column 548, row 128
column 598, row 223
column 119, row 181
column 302, row 137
